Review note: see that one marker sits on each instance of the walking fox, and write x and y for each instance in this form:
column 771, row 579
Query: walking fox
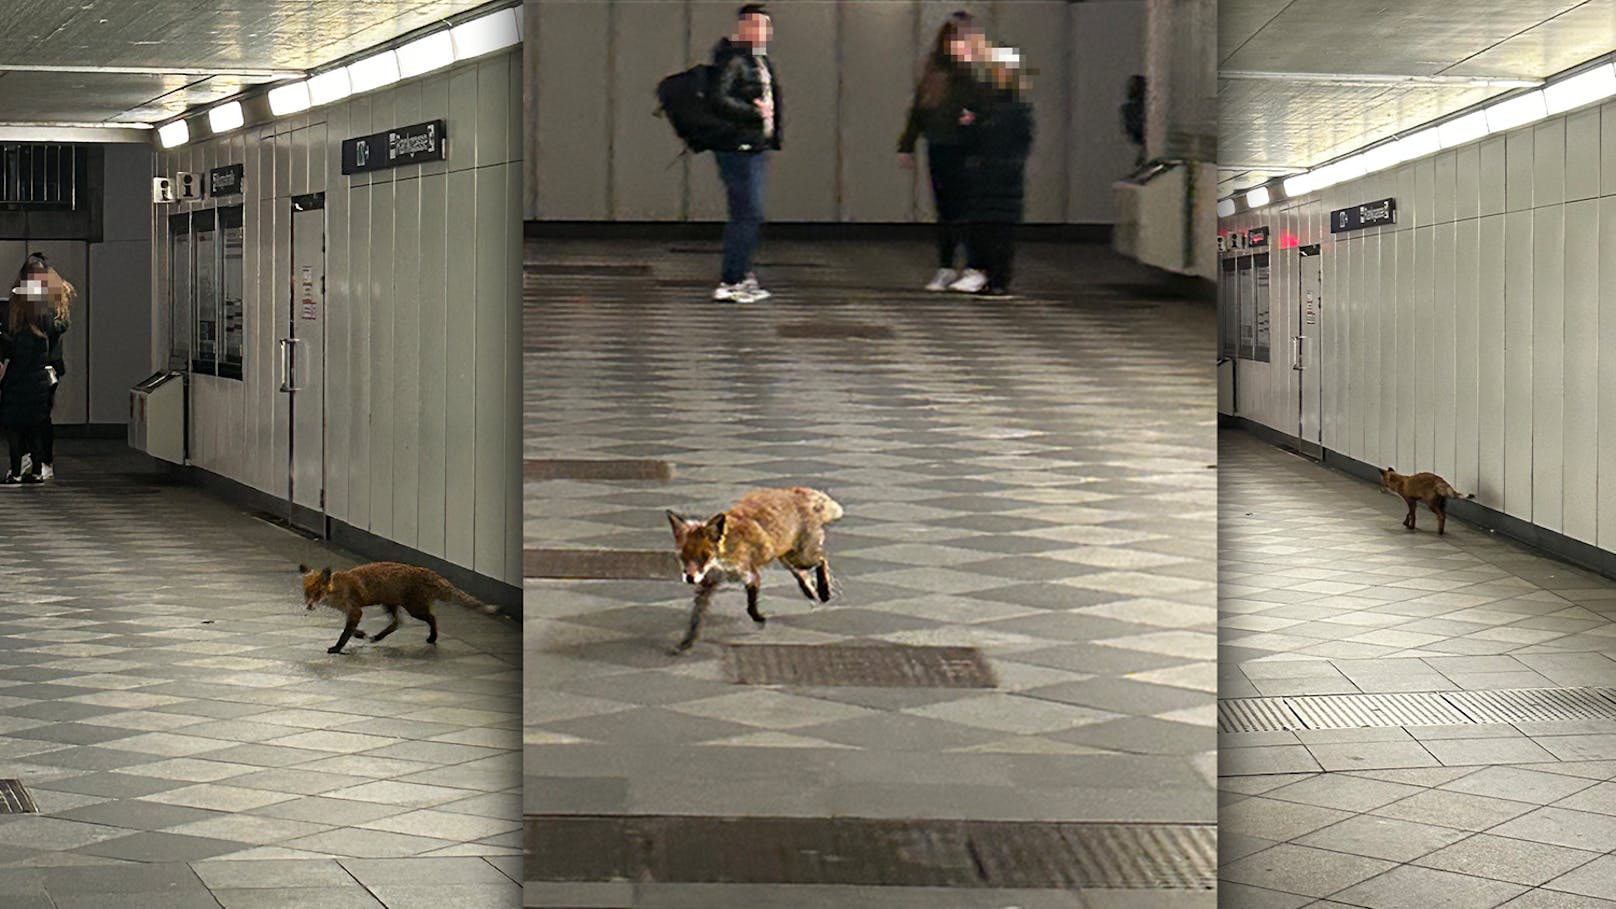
column 1422, row 487
column 392, row 586
column 767, row 525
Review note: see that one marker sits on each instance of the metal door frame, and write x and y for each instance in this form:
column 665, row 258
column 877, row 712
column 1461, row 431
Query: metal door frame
column 1313, row 448
column 300, row 516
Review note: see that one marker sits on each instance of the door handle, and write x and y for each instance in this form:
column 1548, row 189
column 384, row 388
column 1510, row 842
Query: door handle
column 288, row 364
column 1296, row 362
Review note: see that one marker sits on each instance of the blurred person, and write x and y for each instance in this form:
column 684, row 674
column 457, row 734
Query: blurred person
column 998, row 140
column 746, row 92
column 945, row 91
column 25, row 384
column 54, row 321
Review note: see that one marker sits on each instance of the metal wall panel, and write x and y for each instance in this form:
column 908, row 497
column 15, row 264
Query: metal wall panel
column 1441, row 350
column 1492, row 153
column 1517, row 362
column 875, row 91
column 709, row 21
column 1106, row 47
column 1422, row 349
column 803, row 178
column 573, row 131
column 1580, row 481
column 1606, row 375
column 460, row 345
column 1399, row 398
column 1582, row 156
column 1040, row 31
column 1467, row 183
column 493, row 380
column 644, row 186
column 1492, row 373
column 1548, row 366
column 1466, row 353
column 1549, row 163
column 1518, row 170
column 408, row 326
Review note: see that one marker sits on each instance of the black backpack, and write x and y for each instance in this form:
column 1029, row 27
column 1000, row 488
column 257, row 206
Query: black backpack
column 682, row 99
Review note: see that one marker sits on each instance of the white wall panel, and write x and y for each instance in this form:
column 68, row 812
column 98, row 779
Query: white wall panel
column 491, row 422
column 1606, row 383
column 1517, row 363
column 570, row 108
column 1422, row 349
column 875, row 88
column 1441, row 349
column 1583, row 272
column 1549, row 163
column 1548, row 365
column 803, row 175
column 1493, row 374
column 1492, row 177
column 1582, row 156
column 1467, row 308
column 647, row 44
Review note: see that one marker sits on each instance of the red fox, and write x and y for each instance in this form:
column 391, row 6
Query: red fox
column 387, row 584
column 1422, row 487
column 769, row 524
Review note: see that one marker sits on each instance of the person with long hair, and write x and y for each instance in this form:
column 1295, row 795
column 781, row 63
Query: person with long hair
column 54, row 320
column 25, row 385
column 998, row 140
column 944, row 95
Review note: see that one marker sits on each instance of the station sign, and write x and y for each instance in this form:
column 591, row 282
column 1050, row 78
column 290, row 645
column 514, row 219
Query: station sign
column 226, row 181
column 1235, row 240
column 1369, row 214
column 395, row 148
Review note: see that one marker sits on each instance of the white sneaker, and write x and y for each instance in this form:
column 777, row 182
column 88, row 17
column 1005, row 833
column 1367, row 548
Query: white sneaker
column 940, row 281
column 27, row 464
column 969, row 282
column 732, row 293
column 753, row 289
column 47, row 472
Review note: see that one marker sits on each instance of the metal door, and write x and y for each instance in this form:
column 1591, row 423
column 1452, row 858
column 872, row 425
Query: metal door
column 1309, row 321
column 302, row 366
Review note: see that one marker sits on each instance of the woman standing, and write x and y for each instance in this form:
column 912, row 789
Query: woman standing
column 54, row 321
column 946, row 90
column 998, row 141
column 25, row 386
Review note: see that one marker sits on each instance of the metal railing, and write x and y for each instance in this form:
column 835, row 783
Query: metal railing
column 43, row 176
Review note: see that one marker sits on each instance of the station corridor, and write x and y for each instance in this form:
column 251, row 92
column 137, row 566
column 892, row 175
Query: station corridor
column 170, row 707
column 1027, row 477
column 1406, row 720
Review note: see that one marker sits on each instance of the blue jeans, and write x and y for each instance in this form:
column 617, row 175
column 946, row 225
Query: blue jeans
column 742, row 173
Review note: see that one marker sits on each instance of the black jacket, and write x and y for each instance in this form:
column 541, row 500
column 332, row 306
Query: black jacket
column 54, row 327
column 25, row 388
column 997, row 144
column 940, row 123
column 737, row 83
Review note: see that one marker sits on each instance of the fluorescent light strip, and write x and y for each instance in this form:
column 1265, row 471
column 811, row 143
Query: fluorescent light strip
column 1464, row 130
column 289, row 99
column 426, row 55
column 1258, row 197
column 486, row 34
column 329, row 87
column 226, row 117
column 1225, row 207
column 374, row 72
column 1580, row 90
column 174, row 134
column 1299, row 185
column 1516, row 112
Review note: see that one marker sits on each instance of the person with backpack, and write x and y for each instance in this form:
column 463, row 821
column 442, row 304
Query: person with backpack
column 25, row 383
column 744, row 92
column 945, row 91
column 54, row 322
column 998, row 140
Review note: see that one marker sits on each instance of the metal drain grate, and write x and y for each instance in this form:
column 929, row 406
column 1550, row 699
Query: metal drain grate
column 1429, row 708
column 14, row 799
column 871, row 852
column 600, row 564
column 828, row 330
column 564, row 469
column 844, row 666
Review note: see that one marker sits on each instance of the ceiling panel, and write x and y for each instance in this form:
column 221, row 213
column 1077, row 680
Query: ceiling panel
column 210, row 38
column 1268, row 124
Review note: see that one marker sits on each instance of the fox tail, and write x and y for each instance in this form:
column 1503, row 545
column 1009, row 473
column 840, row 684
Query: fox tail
column 1451, row 493
column 467, row 600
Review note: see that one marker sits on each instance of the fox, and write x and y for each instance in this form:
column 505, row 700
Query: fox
column 1422, row 487
column 766, row 525
column 391, row 585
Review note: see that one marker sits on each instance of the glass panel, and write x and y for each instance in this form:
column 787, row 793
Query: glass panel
column 1248, row 322
column 207, row 293
column 230, row 223
column 179, row 292
column 1260, row 305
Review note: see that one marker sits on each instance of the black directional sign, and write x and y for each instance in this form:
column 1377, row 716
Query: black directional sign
column 1370, row 214
column 395, row 148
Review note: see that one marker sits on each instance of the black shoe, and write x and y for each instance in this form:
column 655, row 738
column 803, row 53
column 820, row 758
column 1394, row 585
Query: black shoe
column 994, row 293
column 10, row 480
column 32, row 479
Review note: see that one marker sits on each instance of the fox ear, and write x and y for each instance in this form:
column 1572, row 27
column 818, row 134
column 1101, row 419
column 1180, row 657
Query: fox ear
column 302, row 569
column 679, row 528
column 715, row 525
column 325, row 574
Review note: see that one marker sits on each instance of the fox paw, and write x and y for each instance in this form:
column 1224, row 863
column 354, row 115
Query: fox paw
column 333, row 650
column 359, row 635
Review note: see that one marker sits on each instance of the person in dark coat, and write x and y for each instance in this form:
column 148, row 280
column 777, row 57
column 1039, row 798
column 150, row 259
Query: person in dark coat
column 746, row 92
column 25, row 386
column 55, row 322
column 999, row 140
column 945, row 91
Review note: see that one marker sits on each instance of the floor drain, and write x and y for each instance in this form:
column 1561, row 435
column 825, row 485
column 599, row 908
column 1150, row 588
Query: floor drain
column 564, row 469
column 286, row 525
column 14, row 799
column 601, row 564
column 866, row 666
column 1427, row 708
column 871, row 852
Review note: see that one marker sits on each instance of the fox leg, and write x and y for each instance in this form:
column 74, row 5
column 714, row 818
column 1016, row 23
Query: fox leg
column 704, row 596
column 822, row 576
column 392, row 612
column 801, row 574
column 753, row 582
column 1412, row 504
column 347, row 632
column 432, row 625
column 1441, row 508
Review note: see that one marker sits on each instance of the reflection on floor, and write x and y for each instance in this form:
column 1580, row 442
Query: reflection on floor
column 1324, row 593
column 171, row 708
column 1029, row 478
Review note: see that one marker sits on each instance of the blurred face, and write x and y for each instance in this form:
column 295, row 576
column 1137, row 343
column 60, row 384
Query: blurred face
column 959, row 47
column 755, row 30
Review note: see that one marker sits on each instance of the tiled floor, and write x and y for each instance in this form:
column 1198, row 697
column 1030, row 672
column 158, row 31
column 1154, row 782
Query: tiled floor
column 171, row 707
column 1027, row 477
column 1322, row 591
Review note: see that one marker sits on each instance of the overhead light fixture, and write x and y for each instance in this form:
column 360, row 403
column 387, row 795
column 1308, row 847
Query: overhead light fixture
column 486, row 34
column 1584, row 88
column 329, row 87
column 1528, row 108
column 1383, row 157
column 373, row 72
column 425, row 55
column 1464, row 130
column 1421, row 144
column 174, row 134
column 1226, row 207
column 1299, row 185
column 1258, row 197
column 289, row 99
column 226, row 117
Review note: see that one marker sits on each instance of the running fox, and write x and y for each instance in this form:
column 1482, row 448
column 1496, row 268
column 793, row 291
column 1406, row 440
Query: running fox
column 1422, row 487
column 387, row 584
column 769, row 524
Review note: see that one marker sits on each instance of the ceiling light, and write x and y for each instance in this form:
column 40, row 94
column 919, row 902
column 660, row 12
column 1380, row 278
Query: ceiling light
column 1421, row 144
column 373, row 72
column 174, row 134
column 226, row 117
column 1299, row 185
column 1384, row 156
column 1596, row 84
column 1225, row 207
column 433, row 52
column 1464, row 130
column 289, row 99
column 1258, row 197
column 329, row 86
column 486, row 34
column 1528, row 108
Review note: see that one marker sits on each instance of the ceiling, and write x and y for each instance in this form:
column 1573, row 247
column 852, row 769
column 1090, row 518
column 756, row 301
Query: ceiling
column 60, row 60
column 1304, row 81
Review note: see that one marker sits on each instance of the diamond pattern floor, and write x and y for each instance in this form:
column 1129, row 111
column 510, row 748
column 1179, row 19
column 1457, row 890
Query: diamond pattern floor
column 1322, row 591
column 171, row 707
column 1029, row 478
